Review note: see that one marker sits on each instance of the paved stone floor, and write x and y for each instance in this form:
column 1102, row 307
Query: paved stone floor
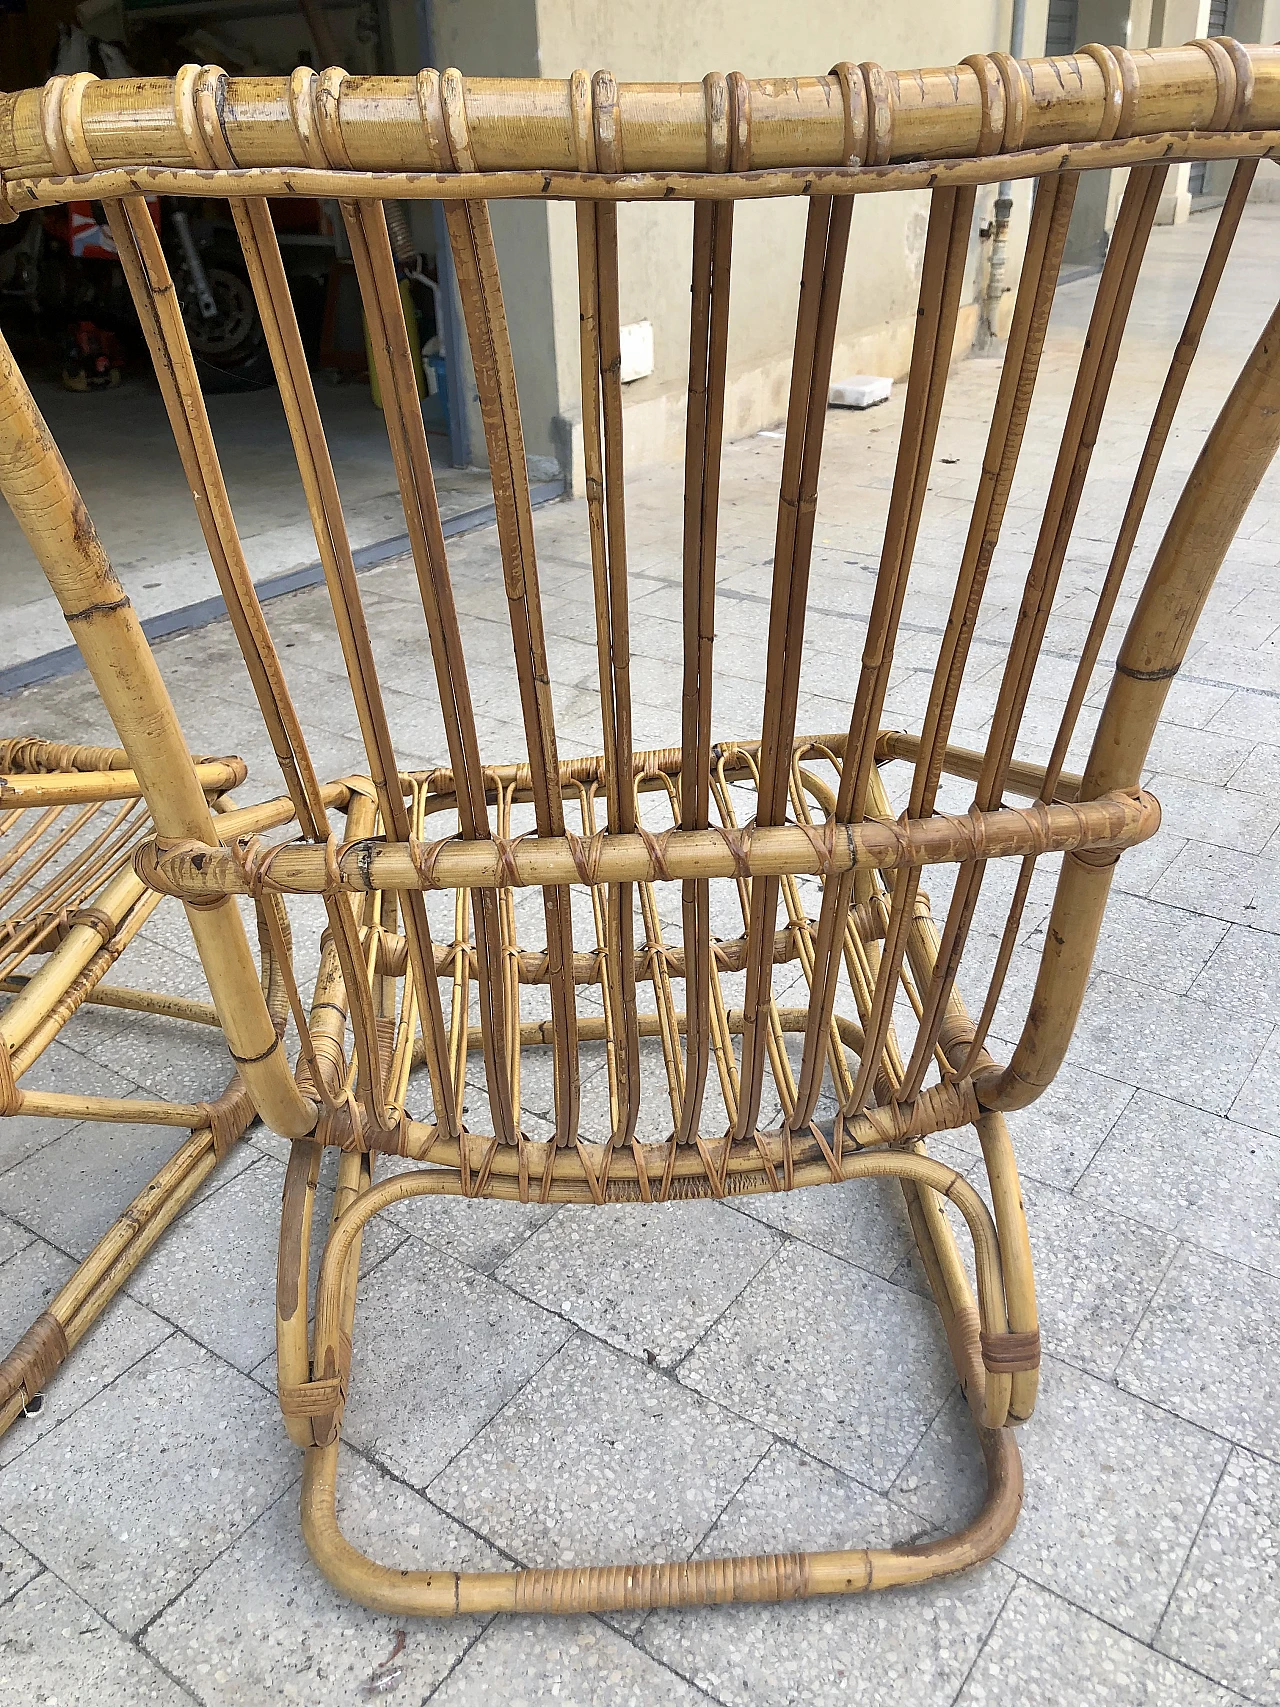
column 588, row 1386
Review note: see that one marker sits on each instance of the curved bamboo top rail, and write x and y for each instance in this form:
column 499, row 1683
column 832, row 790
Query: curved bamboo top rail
column 551, row 133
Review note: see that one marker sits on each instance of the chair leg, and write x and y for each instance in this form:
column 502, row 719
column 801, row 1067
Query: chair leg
column 700, row 1582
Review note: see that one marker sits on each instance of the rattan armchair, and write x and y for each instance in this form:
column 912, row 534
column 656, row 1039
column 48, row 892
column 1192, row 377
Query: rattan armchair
column 71, row 903
column 724, row 1089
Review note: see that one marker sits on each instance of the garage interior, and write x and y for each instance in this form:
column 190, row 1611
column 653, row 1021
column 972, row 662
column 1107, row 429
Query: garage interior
column 65, row 310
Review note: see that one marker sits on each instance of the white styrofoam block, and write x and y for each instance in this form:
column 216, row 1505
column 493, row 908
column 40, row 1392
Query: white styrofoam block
column 637, row 350
column 863, row 391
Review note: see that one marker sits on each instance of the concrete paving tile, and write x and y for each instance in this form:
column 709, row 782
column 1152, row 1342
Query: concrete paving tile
column 1096, row 1272
column 1057, row 1136
column 1260, row 772
column 167, row 1057
column 1224, row 1617
column 55, row 1649
column 863, row 1221
column 1207, row 1180
column 72, row 1190
column 648, row 1279
column 12, row 1238
column 1200, row 755
column 123, row 1334
column 17, row 1567
column 830, row 1357
column 480, row 1232
column 1224, row 884
column 59, row 1068
column 567, row 1660
column 1240, row 975
column 905, row 1644
column 1258, row 1103
column 1226, row 817
column 134, row 1494
column 1115, row 1491
column 1169, row 1044
column 1141, row 868
column 1164, row 946
column 1253, row 716
column 214, row 1274
column 599, row 1460
column 439, row 1350
column 1208, row 1348
column 262, row 1625
column 1044, row 1652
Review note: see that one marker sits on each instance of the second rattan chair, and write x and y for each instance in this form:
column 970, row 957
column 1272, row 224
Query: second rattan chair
column 756, row 849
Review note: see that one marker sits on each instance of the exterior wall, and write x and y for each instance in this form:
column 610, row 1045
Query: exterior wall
column 667, row 40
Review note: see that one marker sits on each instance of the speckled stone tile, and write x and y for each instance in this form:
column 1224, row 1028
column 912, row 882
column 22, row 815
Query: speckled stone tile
column 647, row 1278
column 864, row 1221
column 1165, row 1043
column 1258, row 1103
column 167, row 1057
column 1209, row 1349
column 1226, row 817
column 1169, row 945
column 880, row 1649
column 214, row 1273
column 438, row 1350
column 830, row 1357
column 1224, row 1617
column 124, row 1333
column 480, row 1232
column 1207, row 1180
column 72, row 1190
column 1055, row 1139
column 262, row 1625
column 56, row 1650
column 1225, row 884
column 58, row 1069
column 575, row 1662
column 17, row 1567
column 599, row 1460
column 1240, row 975
column 12, row 1238
column 133, row 1495
column 1096, row 1272
column 1044, row 1652
column 1115, row 1490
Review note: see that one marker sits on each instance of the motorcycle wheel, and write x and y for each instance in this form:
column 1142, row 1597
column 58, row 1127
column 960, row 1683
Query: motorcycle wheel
column 230, row 348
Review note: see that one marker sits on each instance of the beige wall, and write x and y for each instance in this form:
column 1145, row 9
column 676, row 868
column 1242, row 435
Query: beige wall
column 669, row 40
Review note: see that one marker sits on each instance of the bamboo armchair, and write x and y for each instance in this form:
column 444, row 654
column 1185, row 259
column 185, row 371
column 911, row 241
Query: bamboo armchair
column 71, row 820
column 728, row 1090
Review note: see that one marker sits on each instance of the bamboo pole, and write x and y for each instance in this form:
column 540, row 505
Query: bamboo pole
column 35, row 481
column 797, row 124
column 1230, row 468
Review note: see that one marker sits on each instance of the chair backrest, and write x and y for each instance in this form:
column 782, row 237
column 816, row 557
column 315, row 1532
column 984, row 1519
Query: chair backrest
column 897, row 1048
